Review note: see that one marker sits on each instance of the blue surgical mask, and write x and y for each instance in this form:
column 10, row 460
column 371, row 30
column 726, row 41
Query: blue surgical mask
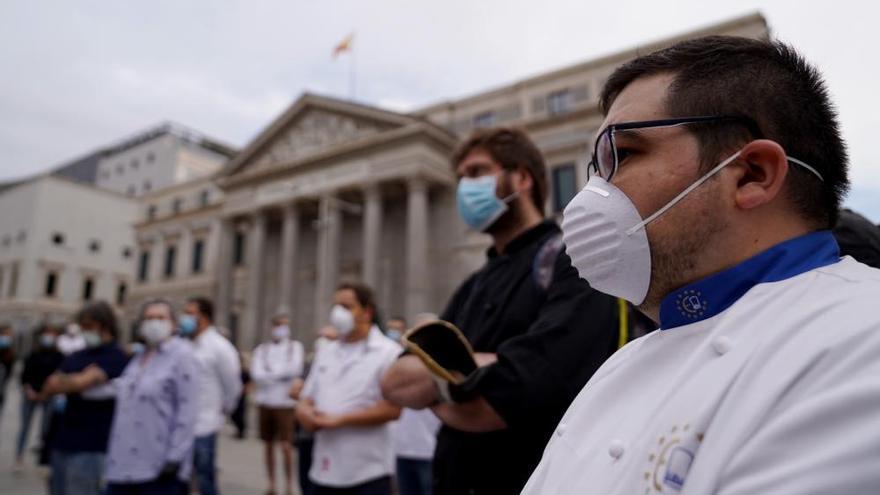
column 47, row 340
column 92, row 338
column 187, row 325
column 478, row 205
column 137, row 348
column 5, row 342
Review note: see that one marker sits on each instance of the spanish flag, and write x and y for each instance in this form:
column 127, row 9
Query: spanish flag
column 343, row 46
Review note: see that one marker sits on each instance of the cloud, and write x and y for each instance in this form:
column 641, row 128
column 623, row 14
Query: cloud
column 80, row 75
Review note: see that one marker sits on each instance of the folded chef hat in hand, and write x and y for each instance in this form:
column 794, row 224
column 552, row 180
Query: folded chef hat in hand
column 443, row 349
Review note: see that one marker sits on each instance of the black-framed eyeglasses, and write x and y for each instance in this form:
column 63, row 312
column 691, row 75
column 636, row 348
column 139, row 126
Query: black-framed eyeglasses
column 605, row 159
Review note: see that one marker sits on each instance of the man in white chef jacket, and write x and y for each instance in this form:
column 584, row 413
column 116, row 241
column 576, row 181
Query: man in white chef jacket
column 275, row 365
column 715, row 177
column 342, row 403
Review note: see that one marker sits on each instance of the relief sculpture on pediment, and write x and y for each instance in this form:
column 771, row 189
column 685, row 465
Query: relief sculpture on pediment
column 315, row 132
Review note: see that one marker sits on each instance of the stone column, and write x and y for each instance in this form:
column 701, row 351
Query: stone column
column 372, row 235
column 289, row 241
column 157, row 259
column 417, row 282
column 5, row 274
column 222, row 266
column 184, row 253
column 329, row 226
column 256, row 240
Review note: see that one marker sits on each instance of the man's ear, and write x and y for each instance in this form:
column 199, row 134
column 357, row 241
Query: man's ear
column 762, row 167
column 525, row 182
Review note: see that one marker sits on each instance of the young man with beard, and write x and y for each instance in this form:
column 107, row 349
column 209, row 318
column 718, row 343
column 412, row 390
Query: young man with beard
column 539, row 330
column 717, row 176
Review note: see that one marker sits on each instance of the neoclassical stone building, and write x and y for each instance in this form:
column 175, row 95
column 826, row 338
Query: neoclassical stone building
column 334, row 190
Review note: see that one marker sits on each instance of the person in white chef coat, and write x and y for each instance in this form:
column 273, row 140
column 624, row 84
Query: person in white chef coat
column 715, row 178
column 342, row 403
column 276, row 364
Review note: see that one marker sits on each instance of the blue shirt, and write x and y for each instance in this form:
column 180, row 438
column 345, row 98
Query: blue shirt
column 85, row 424
column 155, row 414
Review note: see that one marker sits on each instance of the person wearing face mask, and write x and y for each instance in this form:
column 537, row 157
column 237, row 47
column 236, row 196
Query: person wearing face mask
column 7, row 360
column 717, row 177
column 274, row 367
column 71, row 340
column 342, row 403
column 220, row 378
column 395, row 328
column 38, row 366
column 415, row 433
column 80, row 441
column 538, row 329
column 153, row 432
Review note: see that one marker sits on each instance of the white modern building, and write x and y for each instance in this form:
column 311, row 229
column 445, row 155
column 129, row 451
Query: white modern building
column 157, row 158
column 62, row 243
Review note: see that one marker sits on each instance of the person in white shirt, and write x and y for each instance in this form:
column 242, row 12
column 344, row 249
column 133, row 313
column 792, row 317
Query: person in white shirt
column 716, row 177
column 275, row 365
column 415, row 433
column 342, row 402
column 220, row 386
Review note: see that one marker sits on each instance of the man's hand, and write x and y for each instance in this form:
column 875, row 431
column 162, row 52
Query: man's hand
column 31, row 394
column 408, row 383
column 94, row 375
column 306, row 415
column 328, row 421
column 485, row 358
column 296, row 388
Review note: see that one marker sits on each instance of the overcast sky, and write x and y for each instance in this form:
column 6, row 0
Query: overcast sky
column 78, row 75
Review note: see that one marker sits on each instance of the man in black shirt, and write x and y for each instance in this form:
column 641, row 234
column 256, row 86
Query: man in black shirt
column 39, row 364
column 80, row 442
column 538, row 329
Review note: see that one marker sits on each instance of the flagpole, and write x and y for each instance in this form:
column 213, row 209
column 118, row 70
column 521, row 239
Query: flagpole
column 351, row 75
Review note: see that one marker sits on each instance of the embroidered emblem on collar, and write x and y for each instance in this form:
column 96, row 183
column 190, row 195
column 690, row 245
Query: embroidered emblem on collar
column 671, row 459
column 691, row 304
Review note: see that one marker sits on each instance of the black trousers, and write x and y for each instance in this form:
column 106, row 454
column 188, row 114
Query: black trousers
column 378, row 486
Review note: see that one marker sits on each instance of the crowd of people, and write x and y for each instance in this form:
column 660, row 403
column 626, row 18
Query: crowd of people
column 712, row 210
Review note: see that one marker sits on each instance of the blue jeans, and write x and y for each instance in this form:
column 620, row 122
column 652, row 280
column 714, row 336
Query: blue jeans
column 28, row 408
column 156, row 487
column 413, row 476
column 204, row 453
column 76, row 473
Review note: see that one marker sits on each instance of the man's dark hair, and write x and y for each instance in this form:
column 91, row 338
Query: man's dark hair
column 205, row 307
column 766, row 81
column 172, row 314
column 101, row 313
column 364, row 296
column 513, row 150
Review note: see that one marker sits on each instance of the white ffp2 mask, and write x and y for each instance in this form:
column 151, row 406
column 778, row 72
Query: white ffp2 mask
column 605, row 237
column 342, row 320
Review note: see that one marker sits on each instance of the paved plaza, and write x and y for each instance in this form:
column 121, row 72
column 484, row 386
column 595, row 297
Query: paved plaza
column 240, row 462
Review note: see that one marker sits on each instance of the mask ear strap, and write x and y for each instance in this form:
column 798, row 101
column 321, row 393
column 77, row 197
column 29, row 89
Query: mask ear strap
column 510, row 197
column 682, row 194
column 515, row 194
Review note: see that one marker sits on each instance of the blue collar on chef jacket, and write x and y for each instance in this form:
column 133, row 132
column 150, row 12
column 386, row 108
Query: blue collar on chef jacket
column 710, row 296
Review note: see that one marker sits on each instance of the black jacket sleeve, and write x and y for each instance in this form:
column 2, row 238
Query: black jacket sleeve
column 538, row 374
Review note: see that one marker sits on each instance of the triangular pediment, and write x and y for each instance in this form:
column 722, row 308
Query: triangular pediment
column 311, row 126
